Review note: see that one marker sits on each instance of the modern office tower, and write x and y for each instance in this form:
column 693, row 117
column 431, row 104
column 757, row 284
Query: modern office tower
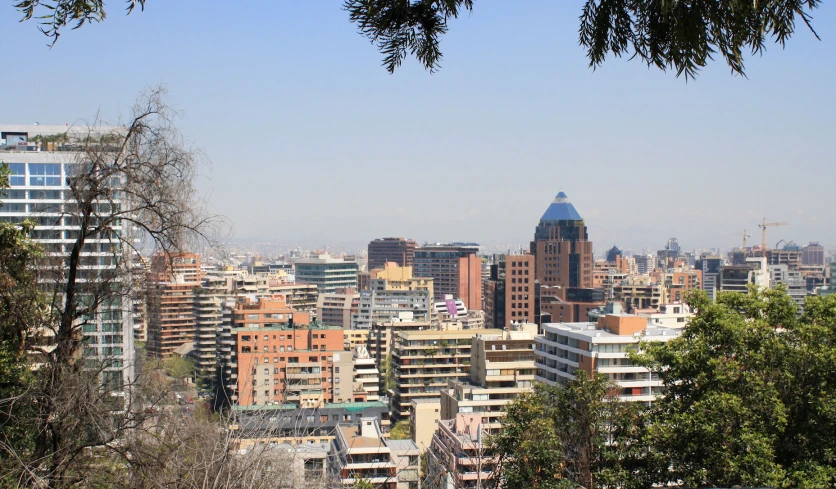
column 455, row 268
column 304, row 365
column 613, row 253
column 336, row 309
column 710, row 266
column 812, row 254
column 644, row 264
column 507, row 299
column 396, row 250
column 563, row 254
column 667, row 257
column 424, row 361
column 831, row 276
column 394, row 292
column 601, row 347
column 327, row 273
column 366, row 375
column 39, row 190
column 459, row 455
column 796, row 284
column 172, row 286
column 501, row 368
column 364, row 454
column 737, row 278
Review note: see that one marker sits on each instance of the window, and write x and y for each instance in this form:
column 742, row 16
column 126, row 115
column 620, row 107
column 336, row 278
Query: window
column 47, row 174
column 18, row 174
column 252, row 316
column 14, row 194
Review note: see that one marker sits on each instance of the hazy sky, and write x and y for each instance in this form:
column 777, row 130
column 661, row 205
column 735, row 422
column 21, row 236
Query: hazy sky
column 312, row 140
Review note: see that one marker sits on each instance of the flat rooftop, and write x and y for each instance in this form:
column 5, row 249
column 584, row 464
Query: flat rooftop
column 352, row 436
column 592, row 331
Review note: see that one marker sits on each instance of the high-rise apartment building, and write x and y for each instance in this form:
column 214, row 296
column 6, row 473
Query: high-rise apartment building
column 394, row 293
column 336, row 309
column 460, row 455
column 602, row 347
column 396, row 250
column 710, row 266
column 39, row 190
column 424, row 361
column 286, row 363
column 501, row 368
column 327, row 273
column 455, row 268
column 561, row 247
column 737, row 278
column 391, row 276
column 173, row 283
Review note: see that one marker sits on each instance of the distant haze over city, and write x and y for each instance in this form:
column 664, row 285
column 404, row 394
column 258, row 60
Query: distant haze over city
column 313, row 142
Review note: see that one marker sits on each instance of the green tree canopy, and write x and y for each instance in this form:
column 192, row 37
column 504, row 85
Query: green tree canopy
column 569, row 435
column 749, row 401
column 750, row 393
column 680, row 35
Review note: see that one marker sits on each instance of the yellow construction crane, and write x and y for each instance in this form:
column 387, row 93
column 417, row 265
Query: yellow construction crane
column 744, row 235
column 763, row 227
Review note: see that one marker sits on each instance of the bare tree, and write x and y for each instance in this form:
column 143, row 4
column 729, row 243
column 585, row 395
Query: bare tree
column 129, row 188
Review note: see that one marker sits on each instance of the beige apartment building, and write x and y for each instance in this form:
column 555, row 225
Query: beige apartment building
column 459, row 455
column 501, row 368
column 395, row 277
column 423, row 421
column 355, row 338
column 336, row 308
column 640, row 292
column 423, row 362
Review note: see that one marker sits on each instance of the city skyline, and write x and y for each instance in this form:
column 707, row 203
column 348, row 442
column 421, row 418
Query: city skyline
column 295, row 108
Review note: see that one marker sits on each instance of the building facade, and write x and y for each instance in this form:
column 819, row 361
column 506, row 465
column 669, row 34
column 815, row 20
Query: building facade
column 327, row 273
column 173, row 285
column 337, row 308
column 424, row 361
column 501, row 368
column 602, row 347
column 455, row 268
column 395, row 250
column 507, row 298
column 39, row 190
column 561, row 247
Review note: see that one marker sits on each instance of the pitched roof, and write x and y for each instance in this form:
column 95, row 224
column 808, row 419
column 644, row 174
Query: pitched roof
column 561, row 210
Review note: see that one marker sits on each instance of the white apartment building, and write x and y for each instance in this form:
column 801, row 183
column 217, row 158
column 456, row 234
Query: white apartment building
column 381, row 306
column 39, row 191
column 669, row 316
column 602, row 347
column 366, row 374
